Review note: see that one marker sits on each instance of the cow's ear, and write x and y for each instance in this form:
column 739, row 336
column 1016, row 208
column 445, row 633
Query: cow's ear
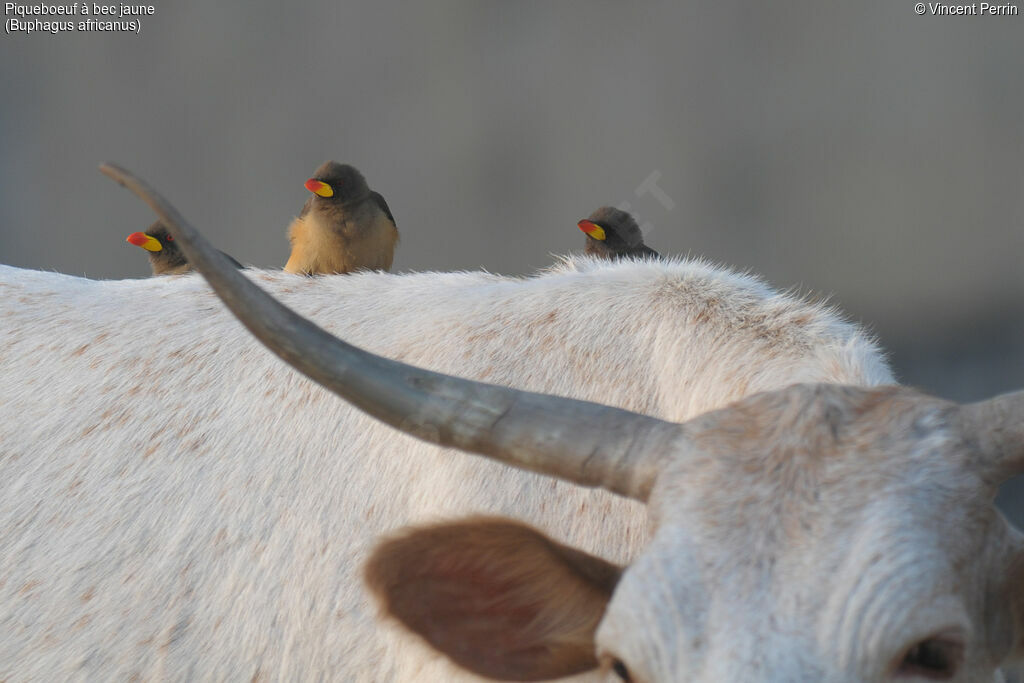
column 497, row 597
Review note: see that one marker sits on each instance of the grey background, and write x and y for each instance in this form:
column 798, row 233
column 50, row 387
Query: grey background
column 851, row 149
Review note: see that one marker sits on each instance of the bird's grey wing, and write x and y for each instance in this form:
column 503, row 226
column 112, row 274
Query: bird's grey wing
column 646, row 251
column 235, row 263
column 378, row 199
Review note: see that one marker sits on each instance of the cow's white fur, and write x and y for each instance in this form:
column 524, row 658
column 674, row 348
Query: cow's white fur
column 176, row 502
column 817, row 539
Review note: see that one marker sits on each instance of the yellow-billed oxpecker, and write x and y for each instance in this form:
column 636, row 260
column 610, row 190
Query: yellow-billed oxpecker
column 344, row 226
column 164, row 256
column 613, row 234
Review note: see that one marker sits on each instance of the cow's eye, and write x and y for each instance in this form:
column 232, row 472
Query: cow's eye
column 621, row 671
column 937, row 658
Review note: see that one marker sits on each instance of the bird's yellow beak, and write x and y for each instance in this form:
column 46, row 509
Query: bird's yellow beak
column 319, row 188
column 141, row 239
column 592, row 229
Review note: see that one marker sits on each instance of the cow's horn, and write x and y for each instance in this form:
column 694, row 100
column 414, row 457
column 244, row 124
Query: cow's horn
column 585, row 443
column 997, row 426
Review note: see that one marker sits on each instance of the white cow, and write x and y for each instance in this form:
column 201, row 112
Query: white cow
column 812, row 533
column 177, row 503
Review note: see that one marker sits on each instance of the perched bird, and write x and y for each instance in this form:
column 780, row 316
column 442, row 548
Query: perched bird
column 344, row 226
column 164, row 256
column 613, row 234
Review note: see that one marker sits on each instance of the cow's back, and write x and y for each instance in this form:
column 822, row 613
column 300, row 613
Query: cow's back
column 177, row 502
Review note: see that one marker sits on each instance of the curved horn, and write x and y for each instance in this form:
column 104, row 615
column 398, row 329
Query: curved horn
column 581, row 442
column 998, row 425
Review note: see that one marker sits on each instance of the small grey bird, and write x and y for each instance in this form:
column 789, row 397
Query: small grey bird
column 165, row 258
column 344, row 226
column 613, row 234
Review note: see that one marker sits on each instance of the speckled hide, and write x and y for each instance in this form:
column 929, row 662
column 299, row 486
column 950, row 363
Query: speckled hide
column 178, row 504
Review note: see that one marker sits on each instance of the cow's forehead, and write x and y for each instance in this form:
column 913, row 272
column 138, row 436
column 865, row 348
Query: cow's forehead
column 810, row 470
column 807, row 440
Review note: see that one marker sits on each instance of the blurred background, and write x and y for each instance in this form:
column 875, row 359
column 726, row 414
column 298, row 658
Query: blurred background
column 851, row 149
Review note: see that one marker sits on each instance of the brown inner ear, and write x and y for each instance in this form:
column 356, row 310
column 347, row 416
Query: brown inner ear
column 497, row 597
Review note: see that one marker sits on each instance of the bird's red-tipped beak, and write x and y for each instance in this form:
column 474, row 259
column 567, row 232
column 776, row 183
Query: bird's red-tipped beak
column 319, row 187
column 141, row 239
column 592, row 229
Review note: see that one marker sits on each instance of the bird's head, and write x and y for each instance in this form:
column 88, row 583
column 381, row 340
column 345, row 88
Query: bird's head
column 155, row 239
column 159, row 242
column 613, row 228
column 337, row 183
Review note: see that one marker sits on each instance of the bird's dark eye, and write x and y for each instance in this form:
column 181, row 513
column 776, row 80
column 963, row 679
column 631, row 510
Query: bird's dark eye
column 937, row 658
column 169, row 238
column 621, row 671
